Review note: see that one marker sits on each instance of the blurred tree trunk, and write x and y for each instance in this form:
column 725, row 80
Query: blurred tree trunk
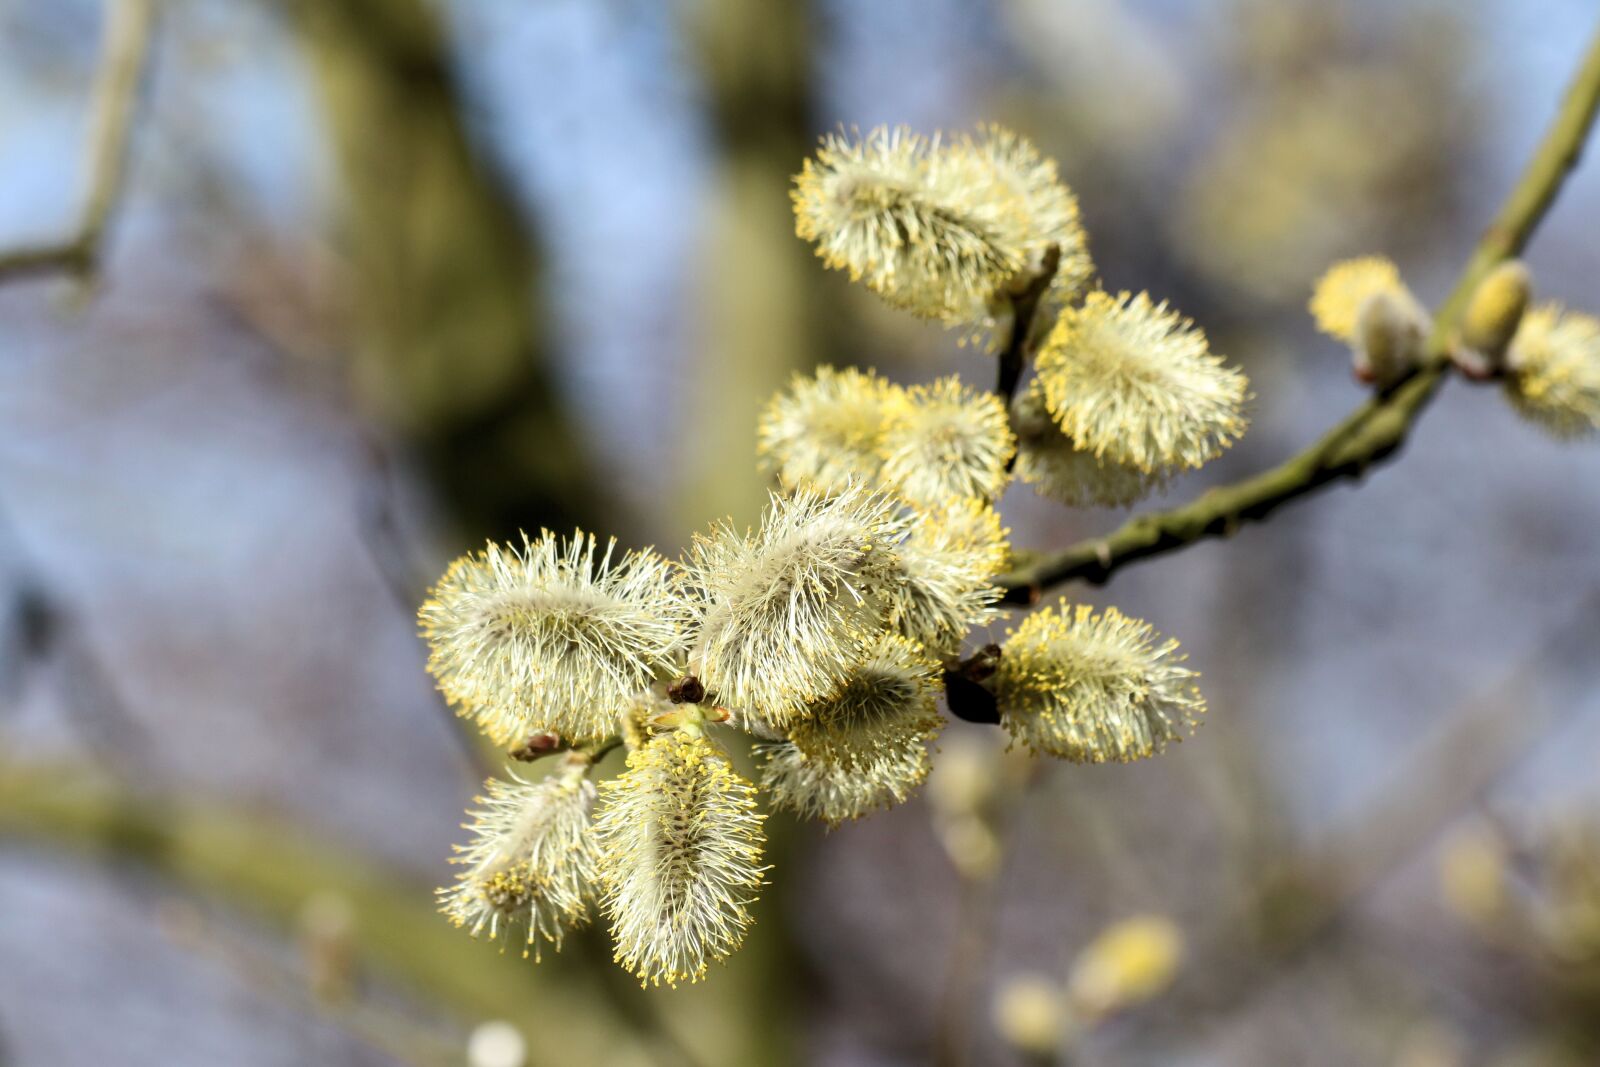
column 453, row 357
column 452, row 354
column 755, row 327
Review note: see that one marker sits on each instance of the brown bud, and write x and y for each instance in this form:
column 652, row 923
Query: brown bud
column 539, row 744
column 687, row 690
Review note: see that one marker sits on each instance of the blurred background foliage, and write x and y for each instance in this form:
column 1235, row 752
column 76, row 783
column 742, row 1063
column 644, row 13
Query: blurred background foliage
column 389, row 277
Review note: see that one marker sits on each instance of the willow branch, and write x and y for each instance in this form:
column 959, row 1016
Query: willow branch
column 129, row 25
column 1376, row 430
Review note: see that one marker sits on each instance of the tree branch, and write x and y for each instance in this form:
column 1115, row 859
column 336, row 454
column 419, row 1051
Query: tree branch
column 1377, row 429
column 129, row 25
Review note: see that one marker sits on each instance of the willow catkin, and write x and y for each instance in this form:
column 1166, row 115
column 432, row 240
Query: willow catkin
column 946, row 440
column 531, row 861
column 886, row 209
column 680, row 844
column 865, row 747
column 1554, row 371
column 1057, row 468
column 1135, row 383
column 943, row 585
column 1094, row 688
column 787, row 612
column 826, row 430
column 552, row 636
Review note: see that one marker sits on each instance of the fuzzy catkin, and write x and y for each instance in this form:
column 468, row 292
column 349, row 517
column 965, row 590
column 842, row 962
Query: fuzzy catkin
column 969, row 526
column 552, row 636
column 786, row 613
column 680, row 844
column 1364, row 303
column 1554, row 378
column 1057, row 468
column 940, row 228
column 1039, row 210
column 946, row 440
column 1494, row 314
column 531, row 862
column 1391, row 333
column 885, row 209
column 942, row 586
column 1135, row 383
column 1094, row 688
column 1338, row 296
column 826, row 430
column 864, row 748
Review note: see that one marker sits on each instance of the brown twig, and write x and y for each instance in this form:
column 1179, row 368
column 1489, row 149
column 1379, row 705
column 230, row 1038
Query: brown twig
column 1024, row 308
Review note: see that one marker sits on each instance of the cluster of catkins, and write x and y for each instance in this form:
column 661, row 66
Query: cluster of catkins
column 827, row 634
column 1127, row 392
column 1546, row 357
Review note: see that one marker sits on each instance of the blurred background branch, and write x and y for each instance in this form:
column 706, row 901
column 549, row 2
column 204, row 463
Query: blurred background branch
column 129, row 26
column 1312, row 891
column 452, row 350
column 269, row 871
